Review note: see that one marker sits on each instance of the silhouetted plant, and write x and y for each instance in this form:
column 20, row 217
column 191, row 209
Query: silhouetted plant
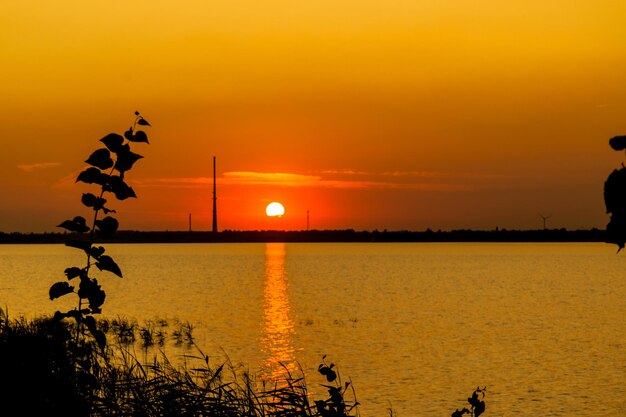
column 108, row 167
column 477, row 404
column 615, row 199
column 335, row 405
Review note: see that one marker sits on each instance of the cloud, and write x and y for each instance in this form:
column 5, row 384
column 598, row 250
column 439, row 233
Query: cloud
column 284, row 179
column 344, row 171
column 38, row 166
column 414, row 174
column 443, row 175
column 300, row 180
column 271, row 178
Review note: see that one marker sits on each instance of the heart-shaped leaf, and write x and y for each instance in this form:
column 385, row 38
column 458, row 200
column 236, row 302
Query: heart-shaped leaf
column 95, row 251
column 78, row 224
column 100, row 158
column 59, row 289
column 139, row 136
column 126, row 160
column 112, row 141
column 106, row 263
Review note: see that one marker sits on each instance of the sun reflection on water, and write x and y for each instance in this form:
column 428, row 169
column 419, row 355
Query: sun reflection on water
column 278, row 327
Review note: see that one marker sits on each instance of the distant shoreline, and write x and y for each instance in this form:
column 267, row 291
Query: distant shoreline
column 347, row 235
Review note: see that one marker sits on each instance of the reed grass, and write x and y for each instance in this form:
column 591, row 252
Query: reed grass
column 41, row 373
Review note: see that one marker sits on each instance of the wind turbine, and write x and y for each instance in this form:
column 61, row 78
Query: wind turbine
column 544, row 218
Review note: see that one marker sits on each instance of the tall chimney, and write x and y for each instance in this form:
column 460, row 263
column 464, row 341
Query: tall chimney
column 214, row 200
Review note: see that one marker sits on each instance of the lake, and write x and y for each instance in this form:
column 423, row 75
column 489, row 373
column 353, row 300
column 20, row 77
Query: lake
column 416, row 326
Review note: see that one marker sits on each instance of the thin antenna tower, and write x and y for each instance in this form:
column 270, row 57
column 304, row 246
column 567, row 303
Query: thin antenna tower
column 544, row 218
column 189, row 222
column 307, row 220
column 214, row 200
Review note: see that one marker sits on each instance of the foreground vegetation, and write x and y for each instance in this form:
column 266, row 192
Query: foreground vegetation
column 44, row 371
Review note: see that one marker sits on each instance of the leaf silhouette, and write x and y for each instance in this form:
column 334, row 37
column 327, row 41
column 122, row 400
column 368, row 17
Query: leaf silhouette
column 143, row 122
column 107, row 226
column 614, row 191
column 90, row 200
column 90, row 290
column 123, row 149
column 129, row 133
column 90, row 322
column 125, row 161
column 73, row 272
column 478, row 406
column 78, row 224
column 615, row 202
column 100, row 158
column 106, row 263
column 100, row 337
column 95, row 251
column 93, row 176
column 96, row 299
column 120, row 189
column 59, row 289
column 139, row 136
column 618, row 143
column 87, row 287
column 327, row 372
column 112, row 141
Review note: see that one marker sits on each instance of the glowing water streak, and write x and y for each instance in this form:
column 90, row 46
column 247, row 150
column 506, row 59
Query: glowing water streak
column 278, row 327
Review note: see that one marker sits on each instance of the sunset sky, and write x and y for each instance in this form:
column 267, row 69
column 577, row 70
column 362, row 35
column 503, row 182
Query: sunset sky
column 399, row 115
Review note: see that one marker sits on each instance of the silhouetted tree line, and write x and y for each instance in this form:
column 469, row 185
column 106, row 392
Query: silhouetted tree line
column 347, row 235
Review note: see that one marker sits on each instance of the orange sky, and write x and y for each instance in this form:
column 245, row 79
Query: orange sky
column 377, row 114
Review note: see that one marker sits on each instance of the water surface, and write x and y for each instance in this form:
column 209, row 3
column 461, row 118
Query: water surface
column 416, row 326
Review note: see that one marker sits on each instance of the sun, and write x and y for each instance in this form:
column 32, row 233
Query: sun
column 275, row 209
